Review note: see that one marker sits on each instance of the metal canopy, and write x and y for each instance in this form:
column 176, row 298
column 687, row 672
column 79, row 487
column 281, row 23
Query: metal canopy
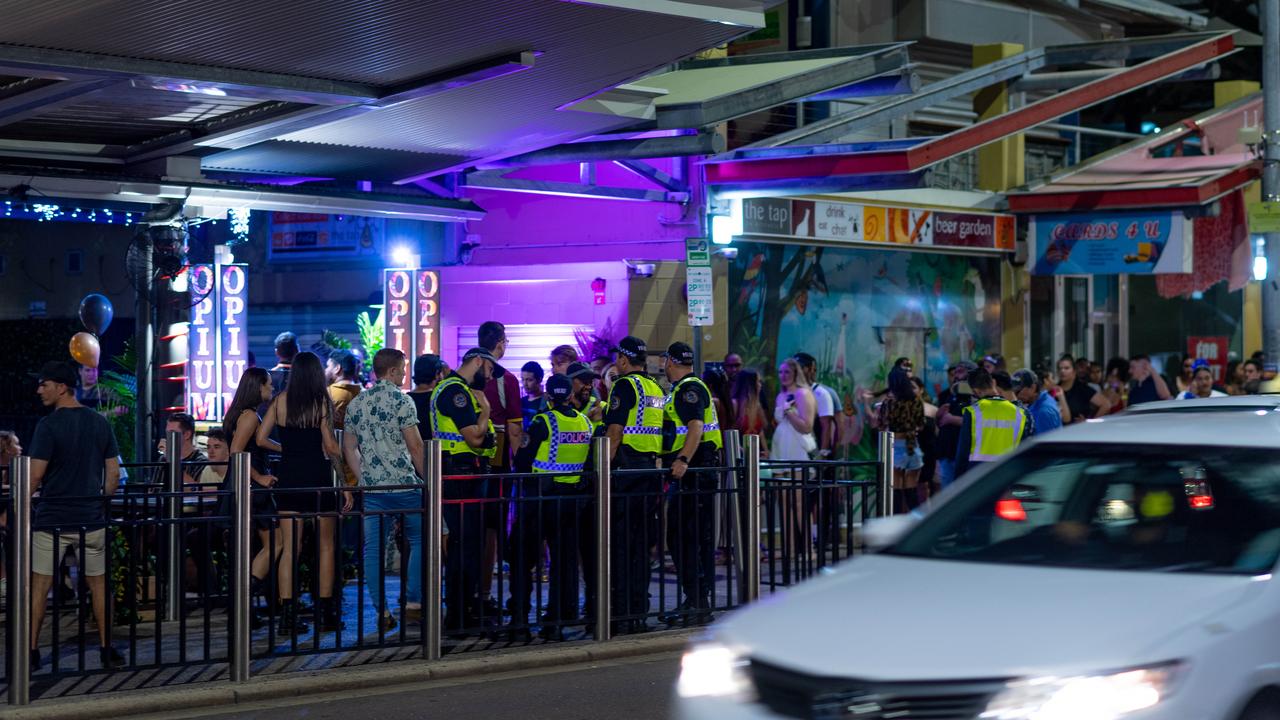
column 776, row 160
column 439, row 85
column 1190, row 164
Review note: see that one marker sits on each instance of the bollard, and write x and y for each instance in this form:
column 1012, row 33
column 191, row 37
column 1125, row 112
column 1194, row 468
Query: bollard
column 732, row 456
column 241, row 528
column 173, row 527
column 603, row 481
column 885, row 472
column 20, row 581
column 751, row 536
column 434, row 496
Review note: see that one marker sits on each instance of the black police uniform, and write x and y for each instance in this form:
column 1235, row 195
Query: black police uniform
column 546, row 510
column 466, row 530
column 691, row 517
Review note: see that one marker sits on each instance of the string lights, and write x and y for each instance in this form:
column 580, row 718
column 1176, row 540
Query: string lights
column 49, row 212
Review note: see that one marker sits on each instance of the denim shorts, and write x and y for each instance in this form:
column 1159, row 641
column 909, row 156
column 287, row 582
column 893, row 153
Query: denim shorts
column 903, row 461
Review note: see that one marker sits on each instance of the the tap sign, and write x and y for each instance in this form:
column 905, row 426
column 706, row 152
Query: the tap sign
column 217, row 346
column 426, row 317
column 397, row 293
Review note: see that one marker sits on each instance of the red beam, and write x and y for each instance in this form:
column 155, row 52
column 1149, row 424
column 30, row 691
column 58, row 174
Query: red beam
column 807, row 166
column 1135, row 198
column 1063, row 103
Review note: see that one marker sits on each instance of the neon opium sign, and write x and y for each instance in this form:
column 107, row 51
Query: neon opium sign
column 217, row 342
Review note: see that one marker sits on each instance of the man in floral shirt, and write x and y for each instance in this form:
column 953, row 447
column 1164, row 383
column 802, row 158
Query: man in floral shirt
column 384, row 449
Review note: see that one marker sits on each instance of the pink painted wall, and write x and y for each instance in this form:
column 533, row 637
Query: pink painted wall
column 530, row 294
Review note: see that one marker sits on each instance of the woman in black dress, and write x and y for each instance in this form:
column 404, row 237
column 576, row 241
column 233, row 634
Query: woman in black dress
column 303, row 413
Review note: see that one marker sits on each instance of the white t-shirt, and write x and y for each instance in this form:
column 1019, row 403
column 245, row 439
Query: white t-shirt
column 1188, row 395
column 826, row 400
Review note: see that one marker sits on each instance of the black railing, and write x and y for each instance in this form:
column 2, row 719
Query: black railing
column 215, row 581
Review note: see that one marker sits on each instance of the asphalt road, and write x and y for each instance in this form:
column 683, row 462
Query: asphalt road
column 635, row 688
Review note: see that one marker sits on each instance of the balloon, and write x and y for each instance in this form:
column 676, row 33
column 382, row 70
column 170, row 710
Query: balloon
column 85, row 349
column 96, row 313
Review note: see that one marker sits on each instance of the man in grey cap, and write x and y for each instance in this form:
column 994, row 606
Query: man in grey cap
column 951, row 405
column 1043, row 406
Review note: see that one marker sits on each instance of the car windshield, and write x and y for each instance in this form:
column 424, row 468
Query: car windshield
column 1111, row 507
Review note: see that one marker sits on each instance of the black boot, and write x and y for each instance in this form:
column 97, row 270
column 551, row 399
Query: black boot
column 290, row 620
column 329, row 615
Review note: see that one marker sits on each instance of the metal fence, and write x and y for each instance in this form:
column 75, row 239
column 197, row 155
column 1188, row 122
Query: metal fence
column 212, row 582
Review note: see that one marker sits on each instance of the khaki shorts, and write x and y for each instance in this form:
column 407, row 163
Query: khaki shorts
column 95, row 557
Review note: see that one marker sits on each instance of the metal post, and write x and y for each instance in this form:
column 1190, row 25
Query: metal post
column 241, row 528
column 603, row 482
column 435, row 522
column 732, row 458
column 20, row 581
column 885, row 457
column 172, row 516
column 144, row 350
column 1269, row 15
column 751, row 539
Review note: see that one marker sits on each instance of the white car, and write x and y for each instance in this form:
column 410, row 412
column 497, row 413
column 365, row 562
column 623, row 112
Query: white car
column 1118, row 569
column 1231, row 403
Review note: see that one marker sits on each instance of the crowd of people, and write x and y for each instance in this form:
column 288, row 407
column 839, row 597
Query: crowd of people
column 517, row 450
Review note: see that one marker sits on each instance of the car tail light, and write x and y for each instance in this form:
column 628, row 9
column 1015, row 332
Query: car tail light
column 1011, row 510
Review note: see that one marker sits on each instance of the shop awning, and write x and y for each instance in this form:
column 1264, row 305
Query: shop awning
column 1193, row 163
column 894, row 162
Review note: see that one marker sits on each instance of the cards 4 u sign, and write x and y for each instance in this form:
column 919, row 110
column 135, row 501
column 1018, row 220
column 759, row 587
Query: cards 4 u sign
column 1111, row 243
column 217, row 342
column 857, row 223
column 411, row 315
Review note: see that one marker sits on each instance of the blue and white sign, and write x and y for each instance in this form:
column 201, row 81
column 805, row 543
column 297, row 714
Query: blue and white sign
column 1111, row 243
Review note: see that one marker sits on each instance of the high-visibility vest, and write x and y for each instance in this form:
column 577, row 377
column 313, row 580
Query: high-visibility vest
column 998, row 427
column 446, row 430
column 567, row 445
column 643, row 431
column 710, row 423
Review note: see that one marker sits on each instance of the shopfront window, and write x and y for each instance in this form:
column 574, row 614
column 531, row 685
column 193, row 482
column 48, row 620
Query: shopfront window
column 1161, row 326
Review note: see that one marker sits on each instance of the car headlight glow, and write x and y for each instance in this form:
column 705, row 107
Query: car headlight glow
column 713, row 670
column 1098, row 697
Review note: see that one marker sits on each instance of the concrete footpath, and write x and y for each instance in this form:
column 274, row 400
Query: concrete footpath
column 387, row 675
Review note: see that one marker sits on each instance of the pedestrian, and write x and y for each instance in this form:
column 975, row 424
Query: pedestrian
column 825, row 429
column 928, row 442
column 749, row 415
column 557, row 450
column 240, row 423
column 342, row 372
column 10, row 448
column 633, row 423
column 286, row 345
column 732, row 366
column 92, row 395
column 460, row 421
column 1234, row 378
column 1145, row 384
column 605, row 380
column 582, row 398
column 586, row 401
column 1201, row 383
column 992, row 426
column 534, row 402
column 1115, row 384
column 795, row 416
column 600, row 362
column 694, row 442
column 503, row 393
column 1042, row 405
column 193, row 460
column 718, row 384
column 384, row 449
column 428, row 371
column 560, row 358
column 951, row 405
column 902, row 413
column 74, row 467
column 309, row 457
column 1083, row 401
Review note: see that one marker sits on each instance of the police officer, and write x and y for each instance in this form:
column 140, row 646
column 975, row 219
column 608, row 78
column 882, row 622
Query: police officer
column 583, row 398
column 992, row 425
column 692, row 441
column 633, row 423
column 557, row 448
column 460, row 421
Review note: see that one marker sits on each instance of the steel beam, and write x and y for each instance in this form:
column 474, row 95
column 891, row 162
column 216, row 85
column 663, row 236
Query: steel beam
column 648, row 172
column 1111, row 198
column 1073, row 78
column 31, row 103
column 495, row 181
column 677, row 146
column 902, row 83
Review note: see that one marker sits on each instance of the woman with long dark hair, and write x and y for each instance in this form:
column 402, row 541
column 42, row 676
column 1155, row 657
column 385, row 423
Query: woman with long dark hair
column 308, row 453
column 240, row 423
column 749, row 416
column 718, row 383
column 902, row 413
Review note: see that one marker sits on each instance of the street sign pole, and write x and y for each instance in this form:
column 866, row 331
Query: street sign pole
column 1269, row 12
column 700, row 289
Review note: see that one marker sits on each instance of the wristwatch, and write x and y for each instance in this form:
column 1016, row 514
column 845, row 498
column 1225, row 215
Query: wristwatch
column 682, row 459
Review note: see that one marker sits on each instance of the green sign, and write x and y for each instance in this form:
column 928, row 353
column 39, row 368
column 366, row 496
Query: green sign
column 1264, row 217
column 697, row 252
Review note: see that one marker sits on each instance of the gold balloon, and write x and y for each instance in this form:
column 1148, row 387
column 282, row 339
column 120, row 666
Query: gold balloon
column 85, row 349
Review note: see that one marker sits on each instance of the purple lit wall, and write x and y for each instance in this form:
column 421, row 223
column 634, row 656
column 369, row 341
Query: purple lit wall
column 530, row 294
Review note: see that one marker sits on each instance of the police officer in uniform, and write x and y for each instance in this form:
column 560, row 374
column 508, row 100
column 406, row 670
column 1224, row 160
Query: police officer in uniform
column 460, row 421
column 557, row 448
column 633, row 423
column 583, row 398
column 692, row 440
column 992, row 425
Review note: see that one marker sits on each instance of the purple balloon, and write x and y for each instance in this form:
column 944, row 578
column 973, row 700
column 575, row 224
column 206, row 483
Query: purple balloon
column 96, row 313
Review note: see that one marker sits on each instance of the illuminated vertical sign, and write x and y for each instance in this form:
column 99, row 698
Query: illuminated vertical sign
column 426, row 313
column 217, row 341
column 397, row 289
column 233, row 341
column 202, row 345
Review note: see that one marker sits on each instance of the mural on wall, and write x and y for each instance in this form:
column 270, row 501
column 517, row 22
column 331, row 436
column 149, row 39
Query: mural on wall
column 856, row 311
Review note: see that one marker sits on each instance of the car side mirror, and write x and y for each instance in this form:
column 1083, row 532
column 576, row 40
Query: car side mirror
column 880, row 533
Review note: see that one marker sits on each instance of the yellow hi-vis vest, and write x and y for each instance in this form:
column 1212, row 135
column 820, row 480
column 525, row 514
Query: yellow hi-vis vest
column 643, row 431
column 568, row 443
column 710, row 423
column 446, row 430
column 998, row 427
